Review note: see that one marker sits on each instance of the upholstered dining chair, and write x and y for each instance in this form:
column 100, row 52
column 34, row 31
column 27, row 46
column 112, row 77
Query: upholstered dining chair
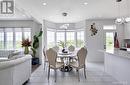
column 71, row 48
column 52, row 55
column 81, row 54
column 56, row 48
column 45, row 58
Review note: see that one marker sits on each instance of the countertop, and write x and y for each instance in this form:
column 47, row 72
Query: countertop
column 117, row 52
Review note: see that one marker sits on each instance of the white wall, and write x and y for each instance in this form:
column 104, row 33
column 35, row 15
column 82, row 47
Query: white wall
column 96, row 43
column 80, row 24
column 25, row 23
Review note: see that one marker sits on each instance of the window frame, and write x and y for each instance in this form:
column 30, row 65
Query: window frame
column 13, row 29
column 65, row 34
column 108, row 31
column 47, row 37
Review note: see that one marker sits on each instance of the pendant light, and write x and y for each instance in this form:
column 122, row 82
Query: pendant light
column 119, row 20
column 122, row 20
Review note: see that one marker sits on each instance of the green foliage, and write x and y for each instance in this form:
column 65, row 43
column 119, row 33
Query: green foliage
column 80, row 43
column 34, row 51
column 35, row 44
column 109, row 43
column 70, row 42
column 62, row 44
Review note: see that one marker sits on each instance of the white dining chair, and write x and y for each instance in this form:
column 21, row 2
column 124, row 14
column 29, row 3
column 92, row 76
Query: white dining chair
column 71, row 48
column 56, row 48
column 80, row 63
column 53, row 64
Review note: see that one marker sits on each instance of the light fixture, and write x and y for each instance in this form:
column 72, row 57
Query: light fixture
column 23, row 15
column 127, row 19
column 118, row 0
column 44, row 3
column 121, row 20
column 64, row 26
column 85, row 3
column 64, row 14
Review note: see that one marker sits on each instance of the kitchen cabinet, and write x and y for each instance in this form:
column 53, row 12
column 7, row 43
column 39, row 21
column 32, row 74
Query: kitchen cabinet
column 116, row 64
column 127, row 30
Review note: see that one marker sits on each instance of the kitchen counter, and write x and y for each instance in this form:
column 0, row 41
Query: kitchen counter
column 119, row 53
column 116, row 64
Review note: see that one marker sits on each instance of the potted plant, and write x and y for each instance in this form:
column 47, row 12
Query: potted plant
column 62, row 44
column 26, row 43
column 35, row 46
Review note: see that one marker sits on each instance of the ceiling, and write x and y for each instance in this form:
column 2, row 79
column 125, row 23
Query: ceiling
column 76, row 10
column 18, row 15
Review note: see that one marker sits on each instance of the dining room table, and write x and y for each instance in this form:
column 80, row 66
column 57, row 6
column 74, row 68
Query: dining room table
column 66, row 58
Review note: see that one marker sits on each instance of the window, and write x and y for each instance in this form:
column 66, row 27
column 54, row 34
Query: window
column 18, row 39
column 109, row 40
column 11, row 38
column 9, row 42
column 80, row 39
column 1, row 40
column 27, row 33
column 60, row 36
column 109, row 27
column 70, row 38
column 50, row 39
column 109, row 36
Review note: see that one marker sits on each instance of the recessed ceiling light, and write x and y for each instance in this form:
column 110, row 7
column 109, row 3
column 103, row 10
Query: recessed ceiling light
column 85, row 3
column 44, row 4
column 24, row 15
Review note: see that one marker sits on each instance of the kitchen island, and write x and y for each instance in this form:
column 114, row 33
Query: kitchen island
column 117, row 64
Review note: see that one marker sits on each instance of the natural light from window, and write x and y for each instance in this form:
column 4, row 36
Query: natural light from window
column 11, row 38
column 69, row 37
column 109, row 36
column 50, row 39
column 80, row 39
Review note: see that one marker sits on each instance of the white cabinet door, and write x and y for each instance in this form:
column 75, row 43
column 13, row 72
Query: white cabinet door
column 127, row 30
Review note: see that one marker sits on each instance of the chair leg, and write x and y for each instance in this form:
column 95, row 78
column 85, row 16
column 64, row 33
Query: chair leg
column 44, row 64
column 48, row 72
column 84, row 72
column 76, row 70
column 78, row 74
column 55, row 75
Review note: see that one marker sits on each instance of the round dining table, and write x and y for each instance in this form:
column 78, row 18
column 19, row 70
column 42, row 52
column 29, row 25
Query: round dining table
column 66, row 57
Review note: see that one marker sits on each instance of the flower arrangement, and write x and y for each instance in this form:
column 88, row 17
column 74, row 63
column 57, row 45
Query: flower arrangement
column 26, row 43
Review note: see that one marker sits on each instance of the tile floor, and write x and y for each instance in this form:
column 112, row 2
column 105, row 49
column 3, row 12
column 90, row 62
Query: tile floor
column 95, row 76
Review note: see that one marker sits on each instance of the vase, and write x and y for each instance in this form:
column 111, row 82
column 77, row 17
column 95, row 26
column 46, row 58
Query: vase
column 26, row 50
column 63, row 50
